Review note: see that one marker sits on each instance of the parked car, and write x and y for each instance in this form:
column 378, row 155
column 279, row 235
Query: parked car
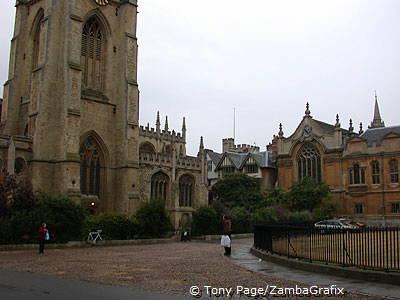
column 335, row 224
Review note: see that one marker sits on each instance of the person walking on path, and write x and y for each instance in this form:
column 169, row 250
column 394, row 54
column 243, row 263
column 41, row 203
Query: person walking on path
column 227, row 230
column 43, row 236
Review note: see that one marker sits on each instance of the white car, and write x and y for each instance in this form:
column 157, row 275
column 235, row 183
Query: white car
column 334, row 224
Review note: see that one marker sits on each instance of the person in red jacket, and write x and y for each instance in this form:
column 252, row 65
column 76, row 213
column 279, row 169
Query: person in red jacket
column 43, row 234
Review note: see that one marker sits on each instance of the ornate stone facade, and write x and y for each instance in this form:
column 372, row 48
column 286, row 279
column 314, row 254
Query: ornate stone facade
column 70, row 111
column 361, row 168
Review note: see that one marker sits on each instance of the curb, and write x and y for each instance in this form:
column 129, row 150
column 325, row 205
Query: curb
column 218, row 237
column 346, row 272
column 84, row 244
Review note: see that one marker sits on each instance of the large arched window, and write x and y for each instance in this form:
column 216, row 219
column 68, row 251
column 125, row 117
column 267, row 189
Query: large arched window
column 36, row 40
column 309, row 163
column 91, row 166
column 159, row 186
column 186, row 186
column 147, row 147
column 394, row 171
column 92, row 54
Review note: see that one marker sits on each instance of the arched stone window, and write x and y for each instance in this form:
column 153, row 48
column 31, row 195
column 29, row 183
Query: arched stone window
column 91, row 167
column 147, row 147
column 92, row 54
column 186, row 187
column 357, row 174
column 159, row 186
column 309, row 163
column 36, row 40
column 394, row 171
column 375, row 172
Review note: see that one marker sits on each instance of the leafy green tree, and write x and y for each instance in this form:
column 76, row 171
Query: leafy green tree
column 240, row 190
column 153, row 220
column 63, row 217
column 264, row 215
column 205, row 220
column 241, row 220
column 277, row 196
column 15, row 195
column 307, row 194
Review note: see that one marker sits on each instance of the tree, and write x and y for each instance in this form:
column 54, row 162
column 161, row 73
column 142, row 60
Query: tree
column 240, row 190
column 152, row 219
column 307, row 194
column 14, row 195
column 205, row 220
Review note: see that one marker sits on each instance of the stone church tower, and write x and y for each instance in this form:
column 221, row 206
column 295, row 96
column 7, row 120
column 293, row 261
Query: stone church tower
column 70, row 113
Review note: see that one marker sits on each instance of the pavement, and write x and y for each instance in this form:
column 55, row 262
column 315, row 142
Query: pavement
column 29, row 286
column 196, row 263
column 242, row 257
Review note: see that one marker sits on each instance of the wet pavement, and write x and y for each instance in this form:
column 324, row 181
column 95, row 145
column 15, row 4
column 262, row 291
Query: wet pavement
column 242, row 257
column 28, row 286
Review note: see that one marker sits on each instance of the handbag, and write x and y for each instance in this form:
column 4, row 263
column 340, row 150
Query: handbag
column 225, row 241
column 47, row 236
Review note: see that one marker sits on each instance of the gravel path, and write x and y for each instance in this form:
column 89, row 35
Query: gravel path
column 170, row 268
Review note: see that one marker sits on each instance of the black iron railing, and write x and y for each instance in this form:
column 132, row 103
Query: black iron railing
column 366, row 248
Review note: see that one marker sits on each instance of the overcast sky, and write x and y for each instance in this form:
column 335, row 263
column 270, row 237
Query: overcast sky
column 201, row 59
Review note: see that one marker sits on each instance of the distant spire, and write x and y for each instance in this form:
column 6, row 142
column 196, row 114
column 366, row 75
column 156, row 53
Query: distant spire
column 377, row 121
column 280, row 133
column 337, row 121
column 184, row 129
column 307, row 112
column 361, row 131
column 166, row 124
column 351, row 128
column 158, row 123
column 184, row 124
column 201, row 144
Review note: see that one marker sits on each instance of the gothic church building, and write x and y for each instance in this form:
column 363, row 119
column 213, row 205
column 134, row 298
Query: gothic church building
column 70, row 112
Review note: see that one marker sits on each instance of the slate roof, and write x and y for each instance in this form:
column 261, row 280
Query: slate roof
column 263, row 159
column 215, row 157
column 328, row 128
column 376, row 135
column 236, row 158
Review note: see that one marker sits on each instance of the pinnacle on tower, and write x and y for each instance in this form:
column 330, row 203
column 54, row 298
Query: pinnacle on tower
column 307, row 112
column 377, row 121
column 166, row 124
column 158, row 123
column 201, row 144
column 184, row 124
column 184, row 128
column 361, row 131
column 351, row 128
column 280, row 133
column 337, row 121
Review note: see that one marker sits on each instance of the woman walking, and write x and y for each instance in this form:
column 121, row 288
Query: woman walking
column 227, row 228
column 43, row 236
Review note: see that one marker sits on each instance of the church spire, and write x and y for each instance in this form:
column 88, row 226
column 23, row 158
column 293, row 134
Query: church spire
column 184, row 128
column 158, row 123
column 377, row 121
column 201, row 147
column 166, row 124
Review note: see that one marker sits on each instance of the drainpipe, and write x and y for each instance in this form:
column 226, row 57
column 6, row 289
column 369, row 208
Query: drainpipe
column 383, row 191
